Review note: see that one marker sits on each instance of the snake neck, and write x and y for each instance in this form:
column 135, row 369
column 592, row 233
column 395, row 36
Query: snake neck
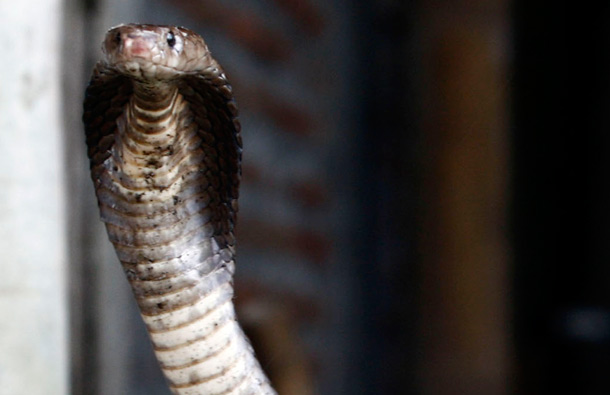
column 155, row 197
column 153, row 114
column 148, row 136
column 153, row 193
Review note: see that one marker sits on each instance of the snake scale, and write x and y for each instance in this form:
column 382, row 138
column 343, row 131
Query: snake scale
column 164, row 145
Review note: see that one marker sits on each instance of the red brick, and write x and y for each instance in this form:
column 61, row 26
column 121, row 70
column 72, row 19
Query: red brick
column 245, row 28
column 313, row 246
column 306, row 14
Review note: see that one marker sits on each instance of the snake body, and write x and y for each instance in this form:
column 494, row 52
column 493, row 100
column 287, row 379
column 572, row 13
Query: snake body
column 164, row 144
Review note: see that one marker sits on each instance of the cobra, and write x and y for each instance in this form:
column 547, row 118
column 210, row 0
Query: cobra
column 164, row 145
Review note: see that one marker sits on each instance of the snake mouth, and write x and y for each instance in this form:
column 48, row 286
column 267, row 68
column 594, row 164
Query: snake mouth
column 140, row 69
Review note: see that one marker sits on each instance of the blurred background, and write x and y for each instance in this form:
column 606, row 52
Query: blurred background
column 417, row 216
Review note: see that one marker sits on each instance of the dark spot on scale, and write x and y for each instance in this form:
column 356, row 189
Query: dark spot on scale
column 176, row 199
column 131, row 274
column 139, row 197
column 115, row 168
column 161, row 305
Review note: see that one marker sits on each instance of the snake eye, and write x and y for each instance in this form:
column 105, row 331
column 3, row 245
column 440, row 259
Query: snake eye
column 117, row 37
column 171, row 39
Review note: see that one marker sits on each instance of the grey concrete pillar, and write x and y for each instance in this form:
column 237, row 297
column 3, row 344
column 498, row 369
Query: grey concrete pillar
column 33, row 304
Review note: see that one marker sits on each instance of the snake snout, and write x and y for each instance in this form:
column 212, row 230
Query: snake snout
column 138, row 45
